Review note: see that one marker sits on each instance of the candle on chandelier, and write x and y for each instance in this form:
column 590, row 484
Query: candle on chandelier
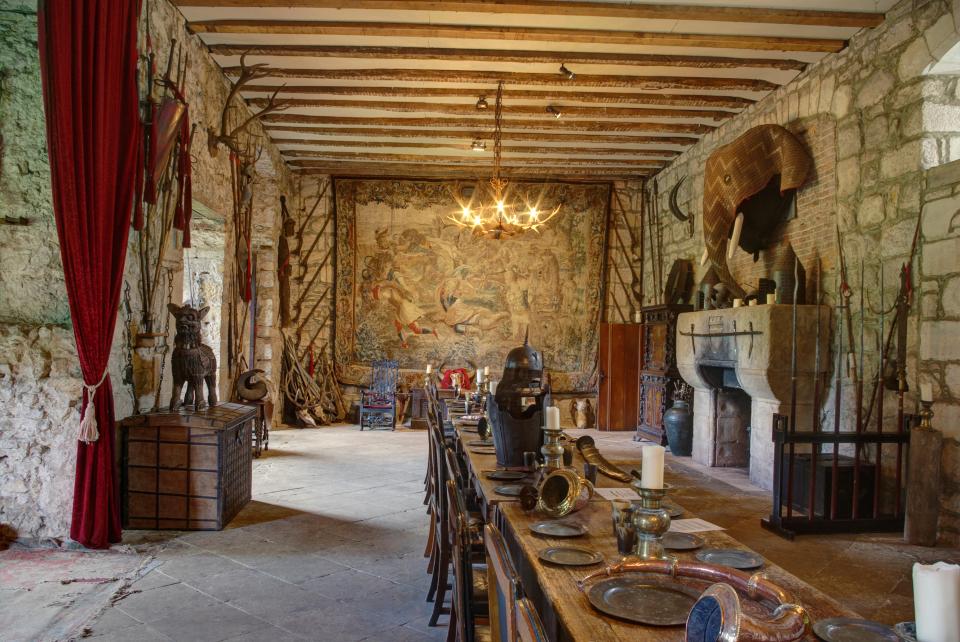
column 651, row 469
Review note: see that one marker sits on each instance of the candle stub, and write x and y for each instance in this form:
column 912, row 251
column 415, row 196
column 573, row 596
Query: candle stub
column 553, row 418
column 737, row 303
column 771, row 298
column 651, row 470
column 936, row 596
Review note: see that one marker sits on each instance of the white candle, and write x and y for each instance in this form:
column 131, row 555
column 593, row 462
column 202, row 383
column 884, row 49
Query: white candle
column 936, row 602
column 637, row 316
column 771, row 298
column 926, row 391
column 479, row 376
column 737, row 303
column 493, row 388
column 553, row 418
column 651, row 469
column 486, row 371
column 429, row 368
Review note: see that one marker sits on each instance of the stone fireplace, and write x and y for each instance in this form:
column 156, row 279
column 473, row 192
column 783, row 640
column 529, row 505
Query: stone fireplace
column 738, row 361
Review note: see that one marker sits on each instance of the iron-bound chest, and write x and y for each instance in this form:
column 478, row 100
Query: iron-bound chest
column 186, row 470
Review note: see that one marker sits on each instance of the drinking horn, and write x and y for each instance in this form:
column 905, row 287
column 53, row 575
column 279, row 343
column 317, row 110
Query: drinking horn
column 588, row 450
column 674, row 206
column 718, row 615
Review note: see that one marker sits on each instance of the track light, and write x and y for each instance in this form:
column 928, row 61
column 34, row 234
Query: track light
column 478, row 145
column 554, row 111
column 566, row 72
column 482, row 103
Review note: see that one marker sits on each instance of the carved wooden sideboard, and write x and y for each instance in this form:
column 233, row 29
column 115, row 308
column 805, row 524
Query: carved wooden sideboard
column 659, row 370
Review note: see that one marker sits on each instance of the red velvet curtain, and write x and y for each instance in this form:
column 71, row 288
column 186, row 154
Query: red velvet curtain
column 88, row 63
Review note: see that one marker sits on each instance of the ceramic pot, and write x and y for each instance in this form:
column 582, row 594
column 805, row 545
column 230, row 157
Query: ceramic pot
column 678, row 423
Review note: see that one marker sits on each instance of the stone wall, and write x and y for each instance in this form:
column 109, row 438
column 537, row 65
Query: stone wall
column 39, row 377
column 894, row 121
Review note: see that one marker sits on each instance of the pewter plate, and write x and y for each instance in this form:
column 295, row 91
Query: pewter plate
column 552, row 528
column 681, row 541
column 481, row 442
column 673, row 509
column 645, row 600
column 509, row 490
column 847, row 629
column 484, row 451
column 570, row 555
column 732, row 557
column 506, row 475
column 906, row 630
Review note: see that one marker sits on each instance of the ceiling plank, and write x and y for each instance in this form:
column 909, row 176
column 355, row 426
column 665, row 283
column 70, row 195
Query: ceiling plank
column 573, row 138
column 518, row 78
column 581, row 95
column 538, row 34
column 306, row 157
column 430, row 123
column 513, row 110
column 598, row 151
column 854, row 19
column 495, row 55
column 416, row 170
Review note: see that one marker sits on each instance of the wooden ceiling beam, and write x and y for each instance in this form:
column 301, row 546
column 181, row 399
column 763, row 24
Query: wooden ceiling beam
column 852, row 19
column 416, row 170
column 581, row 95
column 533, row 34
column 494, row 55
column 513, row 110
column 573, row 138
column 429, row 124
column 465, row 145
column 515, row 78
column 307, row 157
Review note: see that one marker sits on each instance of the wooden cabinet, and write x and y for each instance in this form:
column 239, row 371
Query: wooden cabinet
column 659, row 369
column 620, row 360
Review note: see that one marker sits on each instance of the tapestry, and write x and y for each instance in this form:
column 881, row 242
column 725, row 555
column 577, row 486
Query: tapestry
column 412, row 285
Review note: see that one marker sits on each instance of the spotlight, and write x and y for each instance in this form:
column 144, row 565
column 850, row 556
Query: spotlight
column 566, row 72
column 554, row 111
column 478, row 145
column 482, row 103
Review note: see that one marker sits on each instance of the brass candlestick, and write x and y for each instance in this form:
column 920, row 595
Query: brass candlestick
column 651, row 521
column 926, row 414
column 551, row 449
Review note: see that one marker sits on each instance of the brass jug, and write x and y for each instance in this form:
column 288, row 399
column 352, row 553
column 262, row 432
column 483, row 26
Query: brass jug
column 562, row 492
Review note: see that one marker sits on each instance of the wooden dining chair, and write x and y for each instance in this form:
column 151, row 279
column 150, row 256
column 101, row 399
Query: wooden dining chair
column 503, row 586
column 469, row 620
column 439, row 565
column 529, row 626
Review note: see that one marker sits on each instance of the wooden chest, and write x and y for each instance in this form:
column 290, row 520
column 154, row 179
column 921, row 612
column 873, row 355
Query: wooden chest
column 186, row 470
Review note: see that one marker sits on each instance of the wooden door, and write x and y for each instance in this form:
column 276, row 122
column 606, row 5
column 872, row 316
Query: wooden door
column 619, row 363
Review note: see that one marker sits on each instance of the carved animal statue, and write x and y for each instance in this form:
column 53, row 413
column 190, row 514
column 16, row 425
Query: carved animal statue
column 582, row 413
column 193, row 363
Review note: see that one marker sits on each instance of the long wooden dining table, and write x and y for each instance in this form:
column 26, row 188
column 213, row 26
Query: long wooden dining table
column 565, row 610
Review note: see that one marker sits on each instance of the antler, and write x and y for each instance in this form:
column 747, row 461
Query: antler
column 231, row 139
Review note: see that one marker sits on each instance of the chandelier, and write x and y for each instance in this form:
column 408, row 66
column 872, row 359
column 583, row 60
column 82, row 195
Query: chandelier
column 489, row 211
